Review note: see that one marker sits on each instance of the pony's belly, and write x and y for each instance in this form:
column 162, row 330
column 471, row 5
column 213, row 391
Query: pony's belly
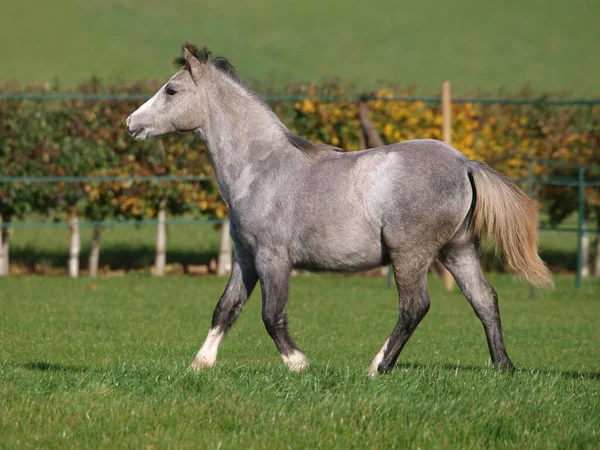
column 341, row 256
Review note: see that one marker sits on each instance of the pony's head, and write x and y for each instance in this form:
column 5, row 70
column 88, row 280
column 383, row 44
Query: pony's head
column 181, row 104
column 204, row 88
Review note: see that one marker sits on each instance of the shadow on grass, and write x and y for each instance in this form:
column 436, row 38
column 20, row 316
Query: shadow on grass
column 116, row 258
column 142, row 257
column 42, row 366
column 571, row 374
column 575, row 374
column 557, row 260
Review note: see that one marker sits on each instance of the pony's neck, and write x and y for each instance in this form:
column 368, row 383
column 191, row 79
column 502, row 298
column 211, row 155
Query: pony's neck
column 240, row 134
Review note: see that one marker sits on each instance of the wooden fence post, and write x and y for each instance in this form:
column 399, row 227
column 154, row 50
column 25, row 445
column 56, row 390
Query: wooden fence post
column 362, row 139
column 225, row 261
column 369, row 129
column 161, row 243
column 74, row 245
column 4, row 250
column 585, row 251
column 95, row 252
column 580, row 224
column 447, row 136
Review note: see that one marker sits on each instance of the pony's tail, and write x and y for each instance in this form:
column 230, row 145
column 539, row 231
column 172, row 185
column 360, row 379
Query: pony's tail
column 503, row 211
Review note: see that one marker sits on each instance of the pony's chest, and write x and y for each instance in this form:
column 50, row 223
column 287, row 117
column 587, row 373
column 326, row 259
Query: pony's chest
column 257, row 227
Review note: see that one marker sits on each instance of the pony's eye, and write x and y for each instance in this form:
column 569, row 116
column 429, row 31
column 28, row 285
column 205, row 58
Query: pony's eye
column 171, row 91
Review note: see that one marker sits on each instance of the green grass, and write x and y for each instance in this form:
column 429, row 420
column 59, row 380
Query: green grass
column 549, row 45
column 106, row 367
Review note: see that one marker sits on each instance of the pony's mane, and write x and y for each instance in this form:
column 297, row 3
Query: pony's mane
column 204, row 55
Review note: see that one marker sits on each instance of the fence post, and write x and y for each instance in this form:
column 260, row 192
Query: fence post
column 372, row 136
column 447, row 136
column 585, row 250
column 4, row 249
column 224, row 265
column 580, row 224
column 161, row 242
column 362, row 139
column 95, row 252
column 74, row 245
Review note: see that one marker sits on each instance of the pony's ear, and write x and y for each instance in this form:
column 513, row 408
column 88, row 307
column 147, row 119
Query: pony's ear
column 192, row 63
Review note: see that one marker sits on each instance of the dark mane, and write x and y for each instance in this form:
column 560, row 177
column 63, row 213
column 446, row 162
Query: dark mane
column 224, row 66
column 310, row 148
column 205, row 55
column 202, row 54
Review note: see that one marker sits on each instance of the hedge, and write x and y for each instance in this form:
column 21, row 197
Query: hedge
column 70, row 137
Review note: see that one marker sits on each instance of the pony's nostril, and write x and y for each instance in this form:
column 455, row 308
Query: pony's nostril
column 128, row 120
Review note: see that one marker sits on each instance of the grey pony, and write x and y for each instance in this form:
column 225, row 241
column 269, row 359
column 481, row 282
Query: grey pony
column 295, row 204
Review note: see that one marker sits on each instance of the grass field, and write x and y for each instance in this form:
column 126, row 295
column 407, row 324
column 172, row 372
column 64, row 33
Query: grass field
column 104, row 365
column 479, row 46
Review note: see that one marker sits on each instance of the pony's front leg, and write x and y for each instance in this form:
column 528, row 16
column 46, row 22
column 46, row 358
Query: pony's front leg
column 239, row 287
column 274, row 275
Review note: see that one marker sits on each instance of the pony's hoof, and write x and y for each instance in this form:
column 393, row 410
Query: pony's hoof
column 296, row 361
column 374, row 367
column 506, row 367
column 200, row 364
column 298, row 367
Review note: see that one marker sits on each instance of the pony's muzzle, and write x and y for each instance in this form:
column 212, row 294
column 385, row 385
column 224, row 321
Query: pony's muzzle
column 132, row 131
column 128, row 122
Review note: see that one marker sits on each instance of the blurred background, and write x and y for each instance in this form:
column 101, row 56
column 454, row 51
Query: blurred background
column 550, row 46
column 524, row 83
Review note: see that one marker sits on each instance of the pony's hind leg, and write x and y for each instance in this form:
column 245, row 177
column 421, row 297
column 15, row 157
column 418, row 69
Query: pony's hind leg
column 411, row 281
column 239, row 287
column 461, row 258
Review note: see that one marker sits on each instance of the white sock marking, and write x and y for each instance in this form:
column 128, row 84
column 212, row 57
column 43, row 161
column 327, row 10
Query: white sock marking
column 207, row 355
column 377, row 360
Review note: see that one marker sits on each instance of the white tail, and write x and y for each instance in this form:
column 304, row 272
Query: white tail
column 503, row 211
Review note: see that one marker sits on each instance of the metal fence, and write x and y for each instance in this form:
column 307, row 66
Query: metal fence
column 327, row 98
column 581, row 183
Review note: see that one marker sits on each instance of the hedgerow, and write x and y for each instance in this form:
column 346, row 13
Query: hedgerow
column 70, row 137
